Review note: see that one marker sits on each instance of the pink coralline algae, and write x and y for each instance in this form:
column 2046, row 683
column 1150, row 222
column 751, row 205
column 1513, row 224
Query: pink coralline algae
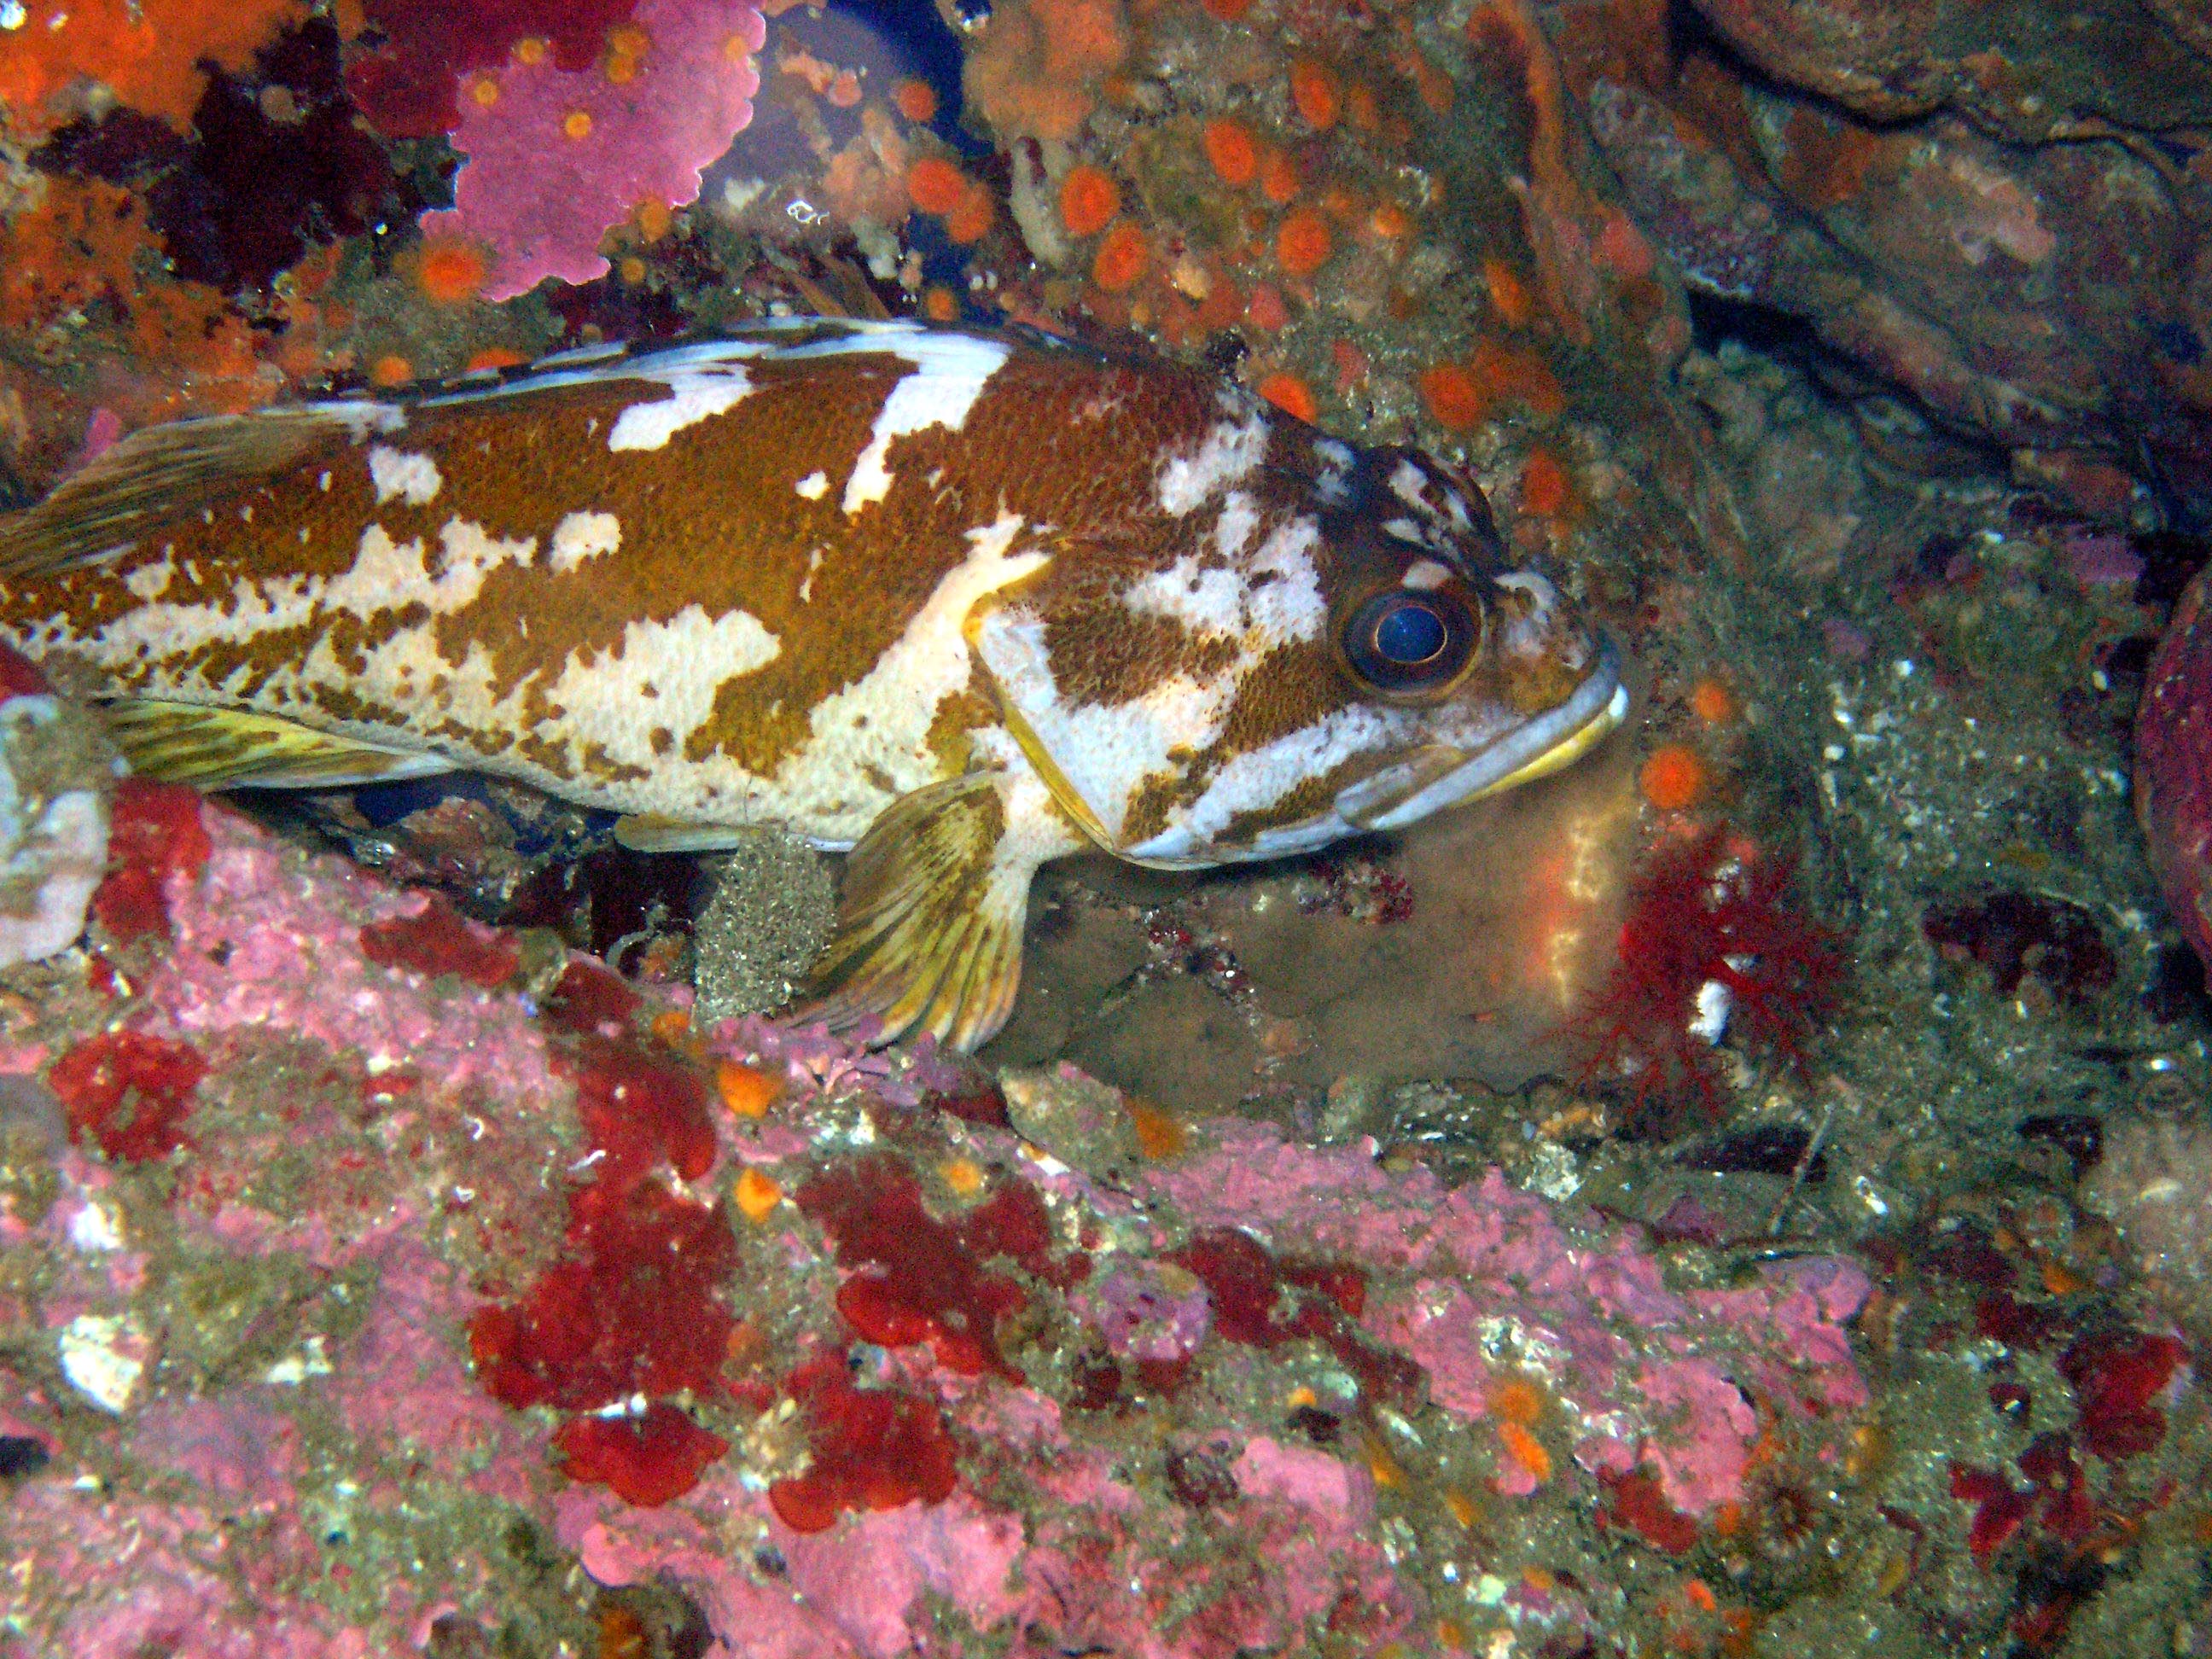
column 414, row 1264
column 556, row 157
column 259, row 944
column 1499, row 1286
column 1149, row 1310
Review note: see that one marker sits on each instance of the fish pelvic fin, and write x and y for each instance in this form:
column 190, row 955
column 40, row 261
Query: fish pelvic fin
column 233, row 748
column 166, row 470
column 929, row 920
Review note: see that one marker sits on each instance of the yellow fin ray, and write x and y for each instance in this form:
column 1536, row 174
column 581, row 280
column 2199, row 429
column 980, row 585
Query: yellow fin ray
column 929, row 924
column 231, row 748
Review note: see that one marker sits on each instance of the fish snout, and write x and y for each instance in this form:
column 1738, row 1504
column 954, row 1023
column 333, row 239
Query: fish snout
column 1444, row 775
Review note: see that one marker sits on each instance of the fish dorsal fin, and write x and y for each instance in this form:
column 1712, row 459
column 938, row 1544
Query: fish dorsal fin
column 232, row 749
column 929, row 922
column 170, row 471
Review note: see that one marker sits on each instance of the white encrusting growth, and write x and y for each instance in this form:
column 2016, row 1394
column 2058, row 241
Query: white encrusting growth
column 403, row 475
column 695, row 392
column 949, row 373
column 814, row 486
column 582, row 536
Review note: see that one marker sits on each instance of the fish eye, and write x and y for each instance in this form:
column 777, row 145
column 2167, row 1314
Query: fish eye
column 1407, row 636
column 1411, row 642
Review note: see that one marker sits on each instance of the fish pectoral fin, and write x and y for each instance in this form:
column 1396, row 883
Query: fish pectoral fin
column 234, row 749
column 167, row 472
column 649, row 832
column 929, row 922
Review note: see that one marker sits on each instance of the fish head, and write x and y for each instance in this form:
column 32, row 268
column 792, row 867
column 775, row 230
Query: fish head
column 1334, row 641
column 1489, row 678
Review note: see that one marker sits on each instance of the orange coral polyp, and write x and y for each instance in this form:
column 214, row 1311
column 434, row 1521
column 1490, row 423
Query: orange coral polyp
column 1525, row 1449
column 450, row 272
column 1390, row 221
column 1290, row 394
column 936, row 184
column 1316, row 93
column 1231, row 152
column 1507, row 292
column 1303, row 243
column 1712, row 703
column 747, row 1090
column 1452, row 397
column 1544, row 485
column 1517, row 1402
column 1673, row 778
column 915, row 99
column 972, row 217
column 1089, row 200
column 1122, row 257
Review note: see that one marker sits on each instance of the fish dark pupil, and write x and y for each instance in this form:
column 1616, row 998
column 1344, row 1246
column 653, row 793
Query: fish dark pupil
column 1409, row 634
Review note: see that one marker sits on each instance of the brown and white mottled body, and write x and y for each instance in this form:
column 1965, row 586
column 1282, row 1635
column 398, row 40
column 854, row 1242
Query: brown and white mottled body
column 804, row 575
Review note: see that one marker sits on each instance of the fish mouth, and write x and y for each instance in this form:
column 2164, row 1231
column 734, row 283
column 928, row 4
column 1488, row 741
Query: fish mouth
column 1402, row 794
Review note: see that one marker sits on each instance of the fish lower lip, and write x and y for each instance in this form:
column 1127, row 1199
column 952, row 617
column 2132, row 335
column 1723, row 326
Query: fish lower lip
column 1542, row 747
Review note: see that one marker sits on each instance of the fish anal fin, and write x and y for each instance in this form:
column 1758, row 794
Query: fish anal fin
column 167, row 472
column 234, row 749
column 929, row 920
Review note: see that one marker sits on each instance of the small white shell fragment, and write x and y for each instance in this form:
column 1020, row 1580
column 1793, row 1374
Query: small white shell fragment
column 103, row 1356
column 95, row 1228
column 1714, row 1004
column 296, row 1368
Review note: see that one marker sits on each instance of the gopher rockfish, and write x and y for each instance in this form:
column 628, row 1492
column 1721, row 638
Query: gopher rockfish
column 956, row 601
